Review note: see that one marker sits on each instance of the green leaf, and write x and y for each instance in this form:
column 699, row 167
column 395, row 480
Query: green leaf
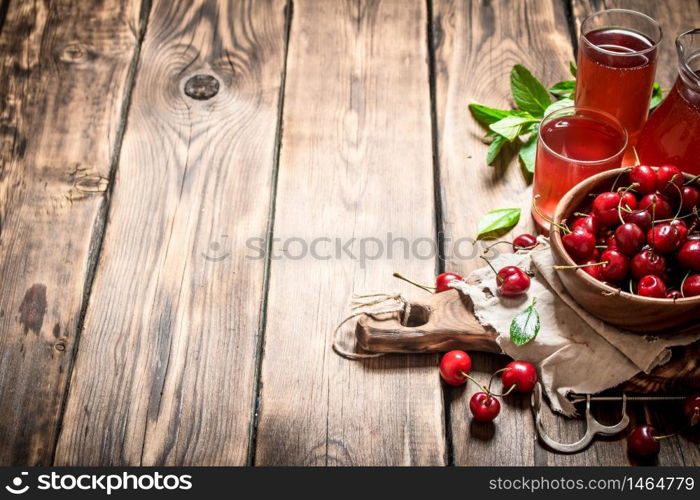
column 525, row 326
column 528, row 92
column 572, row 68
column 511, row 127
column 657, row 95
column 528, row 153
column 498, row 222
column 561, row 104
column 495, row 148
column 565, row 88
column 486, row 115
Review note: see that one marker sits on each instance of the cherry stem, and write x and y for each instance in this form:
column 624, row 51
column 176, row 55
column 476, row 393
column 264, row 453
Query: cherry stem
column 683, row 283
column 658, row 438
column 617, row 178
column 636, row 156
column 429, row 289
column 619, row 204
column 510, row 389
column 693, row 180
column 498, row 278
column 469, row 377
column 500, row 242
column 680, row 196
column 561, row 227
column 581, row 266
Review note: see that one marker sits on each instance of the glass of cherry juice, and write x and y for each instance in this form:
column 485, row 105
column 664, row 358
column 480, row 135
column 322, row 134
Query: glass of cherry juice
column 616, row 66
column 573, row 144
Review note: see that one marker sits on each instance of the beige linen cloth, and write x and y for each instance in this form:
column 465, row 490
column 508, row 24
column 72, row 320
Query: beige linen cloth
column 574, row 351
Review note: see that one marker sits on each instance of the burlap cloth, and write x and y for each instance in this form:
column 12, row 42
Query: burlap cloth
column 574, row 351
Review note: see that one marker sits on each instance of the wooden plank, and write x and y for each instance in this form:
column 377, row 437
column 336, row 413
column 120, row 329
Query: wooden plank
column 355, row 163
column 476, row 45
column 674, row 16
column 65, row 68
column 166, row 371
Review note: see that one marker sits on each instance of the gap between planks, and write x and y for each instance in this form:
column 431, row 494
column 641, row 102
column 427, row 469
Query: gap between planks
column 103, row 215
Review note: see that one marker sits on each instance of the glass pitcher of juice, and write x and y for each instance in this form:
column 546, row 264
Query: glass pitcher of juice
column 672, row 133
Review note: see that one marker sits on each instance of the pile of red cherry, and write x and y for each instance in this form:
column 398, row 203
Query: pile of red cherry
column 516, row 376
column 642, row 238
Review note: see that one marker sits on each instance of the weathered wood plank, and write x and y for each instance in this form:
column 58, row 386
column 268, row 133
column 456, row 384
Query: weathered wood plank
column 477, row 43
column 65, row 68
column 355, row 163
column 674, row 16
column 166, row 369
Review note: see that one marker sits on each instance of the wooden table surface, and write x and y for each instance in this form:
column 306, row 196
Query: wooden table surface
column 140, row 322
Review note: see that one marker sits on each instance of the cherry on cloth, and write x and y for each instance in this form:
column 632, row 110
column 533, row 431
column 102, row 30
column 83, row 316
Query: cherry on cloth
column 573, row 351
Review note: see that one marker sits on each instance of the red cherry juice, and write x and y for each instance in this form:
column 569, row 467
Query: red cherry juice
column 571, row 149
column 672, row 134
column 613, row 77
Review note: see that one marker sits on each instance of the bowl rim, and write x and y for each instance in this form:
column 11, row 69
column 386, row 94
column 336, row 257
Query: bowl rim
column 555, row 239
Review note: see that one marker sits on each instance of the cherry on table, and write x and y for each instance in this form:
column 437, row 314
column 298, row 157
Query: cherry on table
column 689, row 254
column 664, row 237
column 692, row 408
column 629, row 238
column 520, row 374
column 651, row 286
column 645, row 178
column 454, row 367
column 642, row 441
column 512, row 281
column 580, row 244
column 617, row 265
column 647, row 262
column 442, row 281
column 669, row 180
column 484, row 407
column 605, row 207
column 524, row 242
column 691, row 286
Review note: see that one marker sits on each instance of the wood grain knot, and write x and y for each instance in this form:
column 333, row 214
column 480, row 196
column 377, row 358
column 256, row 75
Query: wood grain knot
column 202, row 87
column 74, row 52
column 60, row 347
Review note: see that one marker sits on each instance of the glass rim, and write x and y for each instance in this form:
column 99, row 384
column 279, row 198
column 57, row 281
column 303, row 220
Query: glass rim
column 683, row 60
column 623, row 54
column 573, row 109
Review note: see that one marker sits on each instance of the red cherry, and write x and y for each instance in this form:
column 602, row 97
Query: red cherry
column 642, row 218
column 512, row 281
column 663, row 238
column 692, row 408
column 689, row 254
column 690, row 198
column 524, row 242
column 682, row 229
column 646, row 262
column 657, row 206
column 691, row 286
column 453, row 367
column 672, row 293
column 520, row 374
column 645, row 178
column 442, row 281
column 605, row 208
column 579, row 244
column 629, row 200
column 588, row 223
column 651, row 286
column 484, row 407
column 611, row 243
column 629, row 238
column 592, row 269
column 641, row 441
column 666, row 177
column 617, row 265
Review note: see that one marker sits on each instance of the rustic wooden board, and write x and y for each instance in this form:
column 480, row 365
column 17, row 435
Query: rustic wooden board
column 166, row 369
column 477, row 43
column 355, row 163
column 66, row 73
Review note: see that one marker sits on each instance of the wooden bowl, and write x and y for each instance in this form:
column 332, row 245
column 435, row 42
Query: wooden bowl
column 628, row 311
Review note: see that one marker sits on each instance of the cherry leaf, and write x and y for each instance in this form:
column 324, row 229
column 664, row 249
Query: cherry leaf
column 525, row 326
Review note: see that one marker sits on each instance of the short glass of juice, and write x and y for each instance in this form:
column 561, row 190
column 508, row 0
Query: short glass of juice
column 573, row 144
column 616, row 66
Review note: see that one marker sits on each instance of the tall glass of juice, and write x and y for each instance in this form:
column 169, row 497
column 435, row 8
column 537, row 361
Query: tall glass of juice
column 616, row 66
column 573, row 144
